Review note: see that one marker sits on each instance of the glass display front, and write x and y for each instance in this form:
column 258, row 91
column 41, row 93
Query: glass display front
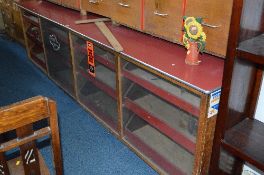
column 58, row 54
column 96, row 90
column 161, row 119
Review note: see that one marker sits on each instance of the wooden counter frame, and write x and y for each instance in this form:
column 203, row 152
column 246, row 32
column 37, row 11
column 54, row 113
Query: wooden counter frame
column 206, row 125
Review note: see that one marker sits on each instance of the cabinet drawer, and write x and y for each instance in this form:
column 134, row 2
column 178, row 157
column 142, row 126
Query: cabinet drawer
column 217, row 14
column 163, row 18
column 128, row 12
column 55, row 1
column 75, row 4
column 101, row 7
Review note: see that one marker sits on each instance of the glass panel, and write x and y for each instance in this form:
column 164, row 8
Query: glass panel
column 160, row 120
column 97, row 93
column 131, row 72
column 57, row 47
column 252, row 28
column 34, row 39
column 157, row 147
column 166, row 113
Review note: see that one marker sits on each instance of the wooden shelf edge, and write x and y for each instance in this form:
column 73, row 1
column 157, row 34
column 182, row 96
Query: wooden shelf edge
column 161, row 126
column 245, row 141
column 258, row 59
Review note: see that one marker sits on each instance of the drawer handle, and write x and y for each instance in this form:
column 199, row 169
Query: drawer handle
column 211, row 26
column 161, row 14
column 94, row 1
column 123, row 5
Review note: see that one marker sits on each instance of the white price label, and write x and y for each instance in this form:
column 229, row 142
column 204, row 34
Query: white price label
column 214, row 103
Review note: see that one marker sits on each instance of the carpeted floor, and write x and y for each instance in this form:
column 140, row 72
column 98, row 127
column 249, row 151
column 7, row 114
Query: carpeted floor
column 88, row 148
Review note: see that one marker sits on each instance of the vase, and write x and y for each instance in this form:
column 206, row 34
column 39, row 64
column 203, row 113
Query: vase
column 192, row 56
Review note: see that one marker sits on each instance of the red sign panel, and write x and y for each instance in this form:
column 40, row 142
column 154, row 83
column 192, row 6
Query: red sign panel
column 91, row 63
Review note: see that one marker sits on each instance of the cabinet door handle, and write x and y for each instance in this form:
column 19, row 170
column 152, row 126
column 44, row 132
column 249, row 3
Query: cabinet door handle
column 94, row 1
column 160, row 14
column 211, row 26
column 123, row 5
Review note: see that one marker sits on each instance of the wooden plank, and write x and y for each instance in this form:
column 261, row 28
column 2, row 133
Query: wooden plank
column 109, row 36
column 85, row 21
column 22, row 113
column 18, row 142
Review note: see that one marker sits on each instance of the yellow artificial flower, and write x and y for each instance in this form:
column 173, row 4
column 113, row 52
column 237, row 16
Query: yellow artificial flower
column 194, row 30
column 188, row 20
column 203, row 35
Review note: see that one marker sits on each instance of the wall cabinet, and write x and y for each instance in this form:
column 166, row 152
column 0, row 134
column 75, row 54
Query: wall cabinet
column 74, row 4
column 101, row 7
column 216, row 21
column 128, row 12
column 164, row 18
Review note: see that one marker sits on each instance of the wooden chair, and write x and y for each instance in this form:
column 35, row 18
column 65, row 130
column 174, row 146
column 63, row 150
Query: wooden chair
column 20, row 117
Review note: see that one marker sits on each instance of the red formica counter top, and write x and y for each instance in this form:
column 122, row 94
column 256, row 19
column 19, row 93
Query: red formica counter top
column 159, row 54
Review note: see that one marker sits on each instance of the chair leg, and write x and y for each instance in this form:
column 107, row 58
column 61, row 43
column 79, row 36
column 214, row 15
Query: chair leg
column 55, row 138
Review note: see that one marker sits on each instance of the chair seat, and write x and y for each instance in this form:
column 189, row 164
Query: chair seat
column 18, row 169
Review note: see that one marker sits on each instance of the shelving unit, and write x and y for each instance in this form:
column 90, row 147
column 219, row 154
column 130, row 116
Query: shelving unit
column 237, row 132
column 146, row 95
column 33, row 39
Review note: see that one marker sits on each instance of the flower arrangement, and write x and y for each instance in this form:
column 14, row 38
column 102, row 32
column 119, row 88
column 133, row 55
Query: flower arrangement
column 193, row 32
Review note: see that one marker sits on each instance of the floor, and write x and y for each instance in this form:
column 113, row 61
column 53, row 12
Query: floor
column 88, row 148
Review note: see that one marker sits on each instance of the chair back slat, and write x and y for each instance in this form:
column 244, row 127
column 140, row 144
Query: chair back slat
column 23, row 113
column 20, row 141
column 28, row 151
